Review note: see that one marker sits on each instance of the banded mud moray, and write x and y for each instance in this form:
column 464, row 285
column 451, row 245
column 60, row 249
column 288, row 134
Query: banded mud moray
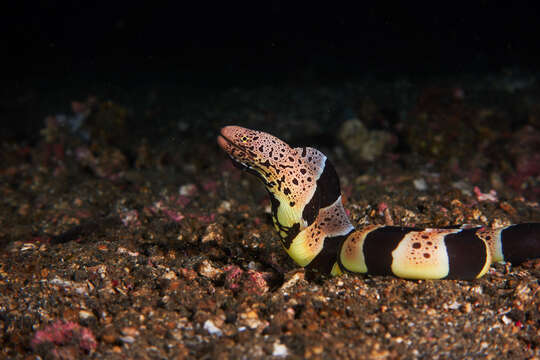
column 316, row 232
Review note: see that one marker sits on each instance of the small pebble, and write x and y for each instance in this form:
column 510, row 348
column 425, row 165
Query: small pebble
column 280, row 350
column 420, row 184
column 212, row 328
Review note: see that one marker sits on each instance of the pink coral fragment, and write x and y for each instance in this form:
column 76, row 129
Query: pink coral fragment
column 130, row 218
column 182, row 200
column 206, row 219
column 232, row 277
column 480, row 196
column 382, row 207
column 252, row 281
column 175, row 216
column 65, row 333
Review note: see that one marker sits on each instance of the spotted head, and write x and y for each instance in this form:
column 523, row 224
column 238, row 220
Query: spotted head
column 256, row 151
column 289, row 174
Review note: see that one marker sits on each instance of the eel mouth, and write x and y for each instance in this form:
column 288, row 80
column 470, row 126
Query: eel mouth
column 225, row 143
column 228, row 145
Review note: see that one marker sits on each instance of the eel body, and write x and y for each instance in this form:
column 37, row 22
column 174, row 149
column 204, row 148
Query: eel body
column 316, row 232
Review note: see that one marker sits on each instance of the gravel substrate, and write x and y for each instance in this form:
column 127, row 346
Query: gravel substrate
column 126, row 233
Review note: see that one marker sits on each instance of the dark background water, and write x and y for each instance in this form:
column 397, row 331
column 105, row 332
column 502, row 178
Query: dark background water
column 63, row 50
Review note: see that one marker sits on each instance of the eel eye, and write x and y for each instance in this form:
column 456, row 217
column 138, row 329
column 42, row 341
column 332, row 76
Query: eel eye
column 244, row 139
